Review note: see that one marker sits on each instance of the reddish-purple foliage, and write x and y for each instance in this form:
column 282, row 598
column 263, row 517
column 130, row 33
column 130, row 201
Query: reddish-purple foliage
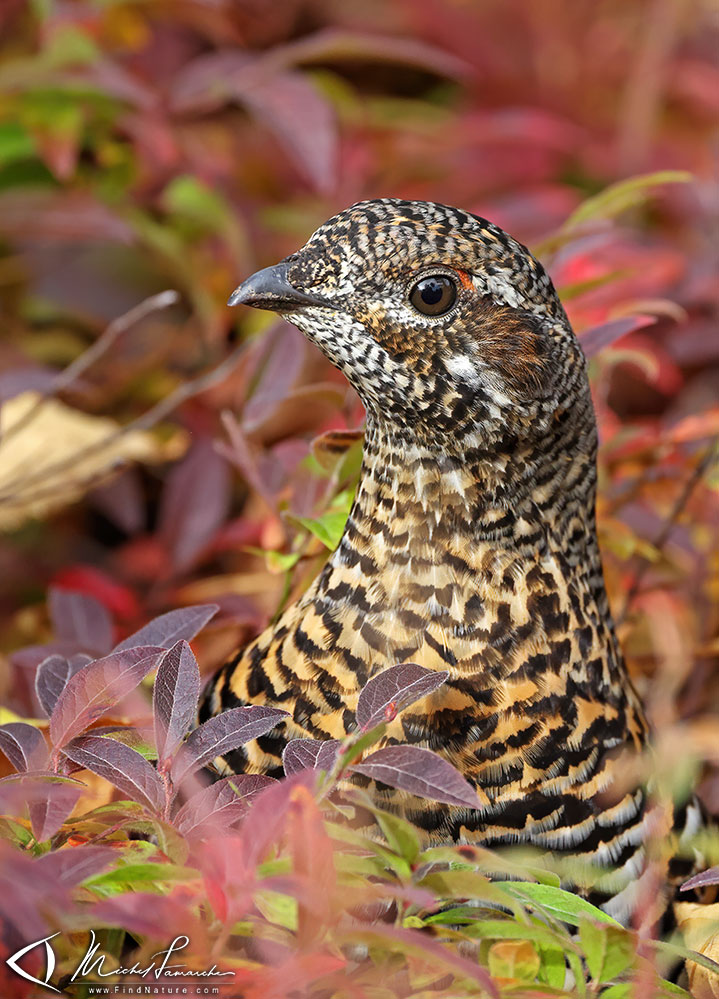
column 395, row 688
column 23, row 745
column 174, row 698
column 310, row 754
column 97, row 688
column 421, row 772
column 52, row 676
column 120, row 765
column 702, row 880
column 222, row 734
column 169, row 628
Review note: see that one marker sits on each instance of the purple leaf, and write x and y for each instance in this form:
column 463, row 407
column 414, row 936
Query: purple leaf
column 148, row 914
column 705, row 878
column 195, row 503
column 23, row 745
column 339, row 45
column 98, row 687
column 218, row 807
column 302, row 120
column 421, row 772
column 286, row 355
column 222, row 734
column 310, row 754
column 49, row 799
column 30, row 656
column 79, row 618
column 52, row 676
column 120, row 765
column 284, row 100
column 165, row 630
column 122, row 500
column 174, row 698
column 597, row 338
column 74, row 866
column 393, row 689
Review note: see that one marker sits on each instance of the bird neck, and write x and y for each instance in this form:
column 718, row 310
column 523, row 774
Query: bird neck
column 478, row 496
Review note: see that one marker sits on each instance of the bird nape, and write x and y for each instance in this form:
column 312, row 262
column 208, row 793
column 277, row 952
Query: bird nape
column 471, row 545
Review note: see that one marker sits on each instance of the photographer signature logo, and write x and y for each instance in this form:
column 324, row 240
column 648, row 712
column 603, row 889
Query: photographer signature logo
column 11, row 962
column 92, row 963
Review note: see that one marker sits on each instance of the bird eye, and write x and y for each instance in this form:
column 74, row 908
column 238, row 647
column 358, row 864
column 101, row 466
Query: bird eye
column 433, row 296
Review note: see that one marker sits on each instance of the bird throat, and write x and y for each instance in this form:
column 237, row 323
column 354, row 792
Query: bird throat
column 474, row 562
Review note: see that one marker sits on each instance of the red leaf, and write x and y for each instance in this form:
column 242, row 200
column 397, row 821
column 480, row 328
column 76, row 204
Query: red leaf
column 286, row 102
column 119, row 600
column 598, row 337
column 705, row 878
column 195, row 502
column 51, row 678
column 74, row 866
column 309, row 754
column 49, row 808
column 302, row 120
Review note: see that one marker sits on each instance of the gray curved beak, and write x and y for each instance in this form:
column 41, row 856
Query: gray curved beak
column 270, row 289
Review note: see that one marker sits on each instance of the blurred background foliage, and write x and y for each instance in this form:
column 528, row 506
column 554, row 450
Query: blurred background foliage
column 152, row 145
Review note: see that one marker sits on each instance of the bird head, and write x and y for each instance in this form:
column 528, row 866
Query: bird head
column 447, row 327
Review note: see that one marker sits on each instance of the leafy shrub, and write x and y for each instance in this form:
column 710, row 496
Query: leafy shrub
column 272, row 880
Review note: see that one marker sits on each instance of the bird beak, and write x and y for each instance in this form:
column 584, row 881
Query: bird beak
column 270, row 289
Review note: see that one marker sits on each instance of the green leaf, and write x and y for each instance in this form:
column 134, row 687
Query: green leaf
column 328, row 527
column 555, row 902
column 276, row 561
column 277, row 908
column 617, row 198
column 399, row 834
column 15, row 833
column 676, row 950
column 70, row 46
column 15, row 142
column 609, row 950
column 554, row 966
column 190, row 198
column 131, row 876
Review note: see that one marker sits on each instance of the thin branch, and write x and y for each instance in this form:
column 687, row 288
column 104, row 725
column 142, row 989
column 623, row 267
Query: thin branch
column 149, row 419
column 80, row 365
column 666, row 529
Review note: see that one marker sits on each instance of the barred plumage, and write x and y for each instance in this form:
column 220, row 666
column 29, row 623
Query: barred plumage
column 471, row 545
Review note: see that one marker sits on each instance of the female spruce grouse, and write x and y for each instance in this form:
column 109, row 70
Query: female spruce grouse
column 471, row 545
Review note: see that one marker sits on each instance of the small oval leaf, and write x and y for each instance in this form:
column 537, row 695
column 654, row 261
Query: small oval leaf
column 120, row 765
column 222, row 734
column 421, row 772
column 310, row 754
column 395, row 688
column 24, row 746
column 174, row 698
column 169, row 628
column 98, row 687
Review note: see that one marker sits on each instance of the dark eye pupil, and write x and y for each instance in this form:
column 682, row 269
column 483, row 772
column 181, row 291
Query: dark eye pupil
column 431, row 291
column 434, row 295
